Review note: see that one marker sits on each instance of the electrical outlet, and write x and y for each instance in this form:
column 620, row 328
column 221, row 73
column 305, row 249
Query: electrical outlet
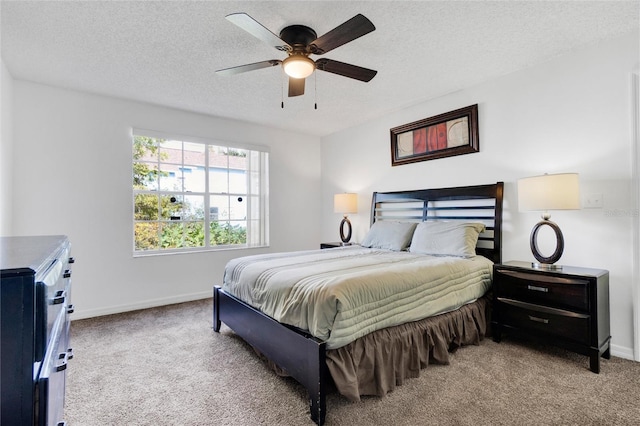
column 593, row 201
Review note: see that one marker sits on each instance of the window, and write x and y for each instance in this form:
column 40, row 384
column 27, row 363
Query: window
column 191, row 195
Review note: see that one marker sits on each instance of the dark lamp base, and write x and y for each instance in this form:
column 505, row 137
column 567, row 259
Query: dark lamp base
column 547, row 262
column 345, row 239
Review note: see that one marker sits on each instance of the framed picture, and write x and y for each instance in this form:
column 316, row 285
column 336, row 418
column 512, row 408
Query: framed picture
column 445, row 135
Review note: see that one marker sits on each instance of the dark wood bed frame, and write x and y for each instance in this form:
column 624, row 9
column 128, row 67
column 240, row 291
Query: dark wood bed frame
column 303, row 356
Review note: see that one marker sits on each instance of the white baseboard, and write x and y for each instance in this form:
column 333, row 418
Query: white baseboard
column 152, row 303
column 622, row 352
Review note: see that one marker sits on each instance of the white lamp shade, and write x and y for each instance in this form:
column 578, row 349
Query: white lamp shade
column 549, row 192
column 298, row 66
column 345, row 203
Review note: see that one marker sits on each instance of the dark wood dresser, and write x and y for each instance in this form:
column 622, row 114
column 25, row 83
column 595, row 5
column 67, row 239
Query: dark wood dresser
column 35, row 290
column 567, row 307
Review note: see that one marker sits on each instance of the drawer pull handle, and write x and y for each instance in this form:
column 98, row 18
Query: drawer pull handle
column 540, row 320
column 72, row 260
column 70, row 353
column 58, row 298
column 70, row 309
column 536, row 288
column 63, row 357
column 67, row 273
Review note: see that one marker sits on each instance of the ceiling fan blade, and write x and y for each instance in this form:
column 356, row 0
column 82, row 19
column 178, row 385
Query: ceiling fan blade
column 249, row 67
column 296, row 86
column 345, row 70
column 342, row 34
column 258, row 30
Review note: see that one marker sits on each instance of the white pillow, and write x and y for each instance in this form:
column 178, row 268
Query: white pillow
column 446, row 238
column 390, row 235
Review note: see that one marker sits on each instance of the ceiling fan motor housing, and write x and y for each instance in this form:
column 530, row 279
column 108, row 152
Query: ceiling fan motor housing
column 298, row 65
column 298, row 36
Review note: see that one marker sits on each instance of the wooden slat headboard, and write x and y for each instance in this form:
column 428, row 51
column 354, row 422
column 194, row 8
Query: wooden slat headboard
column 480, row 203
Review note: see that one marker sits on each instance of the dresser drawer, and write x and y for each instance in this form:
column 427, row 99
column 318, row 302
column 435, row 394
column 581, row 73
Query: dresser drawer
column 559, row 292
column 52, row 297
column 543, row 320
column 52, row 378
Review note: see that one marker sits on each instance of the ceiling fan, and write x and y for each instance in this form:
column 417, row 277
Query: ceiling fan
column 300, row 41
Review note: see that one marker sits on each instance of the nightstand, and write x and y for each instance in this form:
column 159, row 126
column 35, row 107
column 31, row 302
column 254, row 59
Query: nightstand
column 333, row 245
column 567, row 307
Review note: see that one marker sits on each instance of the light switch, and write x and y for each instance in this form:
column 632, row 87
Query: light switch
column 593, row 201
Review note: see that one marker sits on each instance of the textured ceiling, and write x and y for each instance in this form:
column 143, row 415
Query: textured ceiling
column 166, row 52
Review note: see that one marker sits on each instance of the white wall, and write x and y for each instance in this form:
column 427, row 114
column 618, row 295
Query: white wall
column 72, row 164
column 6, row 150
column 572, row 114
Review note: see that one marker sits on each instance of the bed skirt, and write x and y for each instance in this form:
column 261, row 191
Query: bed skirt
column 378, row 362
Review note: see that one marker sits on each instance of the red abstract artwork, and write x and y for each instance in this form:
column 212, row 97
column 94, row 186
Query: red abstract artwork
column 445, row 135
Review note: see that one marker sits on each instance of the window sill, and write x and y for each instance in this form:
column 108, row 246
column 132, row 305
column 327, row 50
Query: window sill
column 152, row 253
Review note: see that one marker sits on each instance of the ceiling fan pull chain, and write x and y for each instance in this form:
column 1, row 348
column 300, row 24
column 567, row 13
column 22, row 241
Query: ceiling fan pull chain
column 315, row 89
column 282, row 91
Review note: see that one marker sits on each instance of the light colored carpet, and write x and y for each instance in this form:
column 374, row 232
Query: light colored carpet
column 166, row 366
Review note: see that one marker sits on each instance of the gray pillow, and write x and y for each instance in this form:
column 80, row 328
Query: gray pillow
column 390, row 235
column 446, row 238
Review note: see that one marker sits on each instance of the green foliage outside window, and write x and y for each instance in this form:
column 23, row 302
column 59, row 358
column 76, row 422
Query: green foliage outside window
column 225, row 234
column 158, row 222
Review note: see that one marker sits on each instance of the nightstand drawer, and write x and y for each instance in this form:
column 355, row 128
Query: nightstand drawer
column 544, row 320
column 559, row 292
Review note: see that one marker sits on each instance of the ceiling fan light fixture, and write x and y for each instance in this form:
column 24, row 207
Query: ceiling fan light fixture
column 298, row 66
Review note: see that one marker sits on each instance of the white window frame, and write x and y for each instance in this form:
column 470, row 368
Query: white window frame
column 254, row 239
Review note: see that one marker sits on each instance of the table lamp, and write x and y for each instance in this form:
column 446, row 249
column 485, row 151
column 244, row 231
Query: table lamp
column 545, row 193
column 345, row 204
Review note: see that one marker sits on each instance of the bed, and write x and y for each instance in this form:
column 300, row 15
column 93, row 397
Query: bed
column 368, row 346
